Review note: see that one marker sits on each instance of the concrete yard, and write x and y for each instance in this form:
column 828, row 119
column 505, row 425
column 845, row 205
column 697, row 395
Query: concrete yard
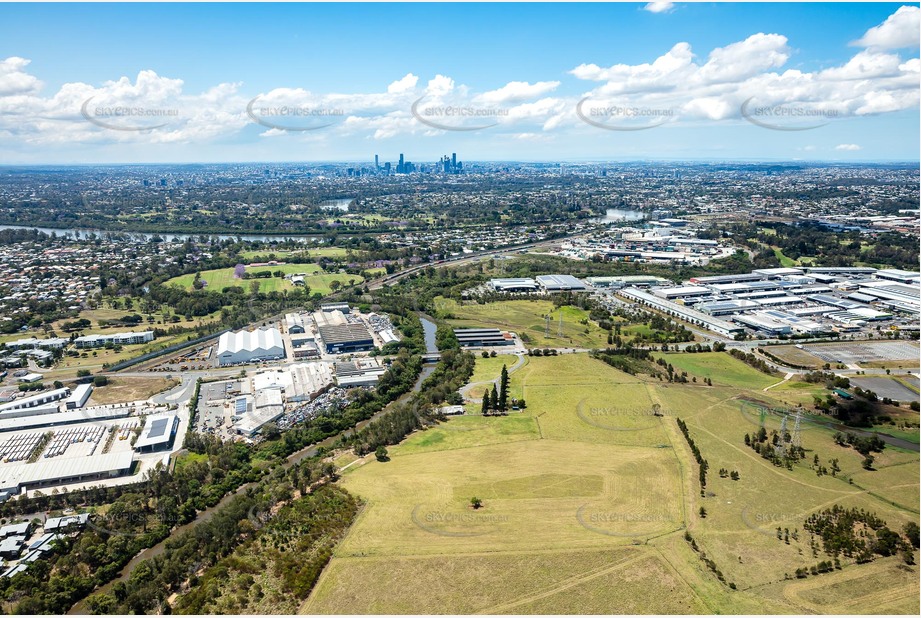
column 870, row 351
column 887, row 387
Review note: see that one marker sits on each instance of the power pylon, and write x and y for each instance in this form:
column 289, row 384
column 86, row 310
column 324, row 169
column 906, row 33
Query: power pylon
column 781, row 448
column 797, row 441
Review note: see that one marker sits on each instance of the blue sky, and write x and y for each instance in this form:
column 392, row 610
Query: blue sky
column 845, row 75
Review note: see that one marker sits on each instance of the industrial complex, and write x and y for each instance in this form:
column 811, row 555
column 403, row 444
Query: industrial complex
column 306, row 360
column 769, row 302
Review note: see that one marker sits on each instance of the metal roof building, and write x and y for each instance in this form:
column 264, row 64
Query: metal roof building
column 159, row 433
column 895, row 274
column 682, row 291
column 768, row 273
column 53, row 524
column 727, row 307
column 11, row 547
column 764, row 323
column 519, row 284
column 740, row 278
column 560, row 283
column 342, row 338
column 477, row 337
column 840, row 270
column 53, row 418
column 22, row 528
column 361, row 373
column 893, row 291
column 96, row 341
column 625, row 280
column 64, row 470
column 79, row 396
column 35, row 401
column 294, row 322
column 685, row 313
column 247, row 346
column 308, row 380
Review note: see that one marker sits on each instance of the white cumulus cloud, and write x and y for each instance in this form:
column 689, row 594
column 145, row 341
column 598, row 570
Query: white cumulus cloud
column 901, row 29
column 14, row 79
column 659, row 7
column 402, row 85
column 517, row 91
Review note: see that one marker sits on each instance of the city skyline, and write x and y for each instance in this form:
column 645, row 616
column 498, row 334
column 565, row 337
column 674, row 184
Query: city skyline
column 623, row 82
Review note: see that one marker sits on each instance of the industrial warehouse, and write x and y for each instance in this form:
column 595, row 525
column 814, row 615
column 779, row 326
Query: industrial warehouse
column 341, row 332
column 780, row 302
column 544, row 284
column 158, row 434
column 767, row 302
column 242, row 407
column 560, row 283
column 344, row 338
column 689, row 315
column 481, row 337
column 53, row 438
column 250, row 346
column 306, row 360
column 17, row 478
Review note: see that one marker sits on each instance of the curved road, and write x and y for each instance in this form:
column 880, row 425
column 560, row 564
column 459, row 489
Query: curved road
column 466, row 388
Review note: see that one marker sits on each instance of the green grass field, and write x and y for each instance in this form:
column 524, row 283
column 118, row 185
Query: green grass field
column 224, row 277
column 367, row 219
column 526, row 318
column 262, row 255
column 487, row 369
column 739, row 529
column 796, row 356
column 788, row 262
column 313, row 252
column 491, row 368
column 470, row 431
column 720, row 367
column 586, row 499
column 797, row 392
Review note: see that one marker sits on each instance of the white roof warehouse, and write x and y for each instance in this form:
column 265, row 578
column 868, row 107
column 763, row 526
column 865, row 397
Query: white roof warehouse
column 244, row 346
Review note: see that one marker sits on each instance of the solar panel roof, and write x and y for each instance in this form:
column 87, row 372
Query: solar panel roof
column 158, row 427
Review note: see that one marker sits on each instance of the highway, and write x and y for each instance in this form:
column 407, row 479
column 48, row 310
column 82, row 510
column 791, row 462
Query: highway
column 376, row 284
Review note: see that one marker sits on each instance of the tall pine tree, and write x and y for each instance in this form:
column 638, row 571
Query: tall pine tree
column 494, row 398
column 503, row 389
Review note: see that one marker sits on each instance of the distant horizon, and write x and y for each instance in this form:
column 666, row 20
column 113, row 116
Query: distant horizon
column 291, row 83
column 466, row 161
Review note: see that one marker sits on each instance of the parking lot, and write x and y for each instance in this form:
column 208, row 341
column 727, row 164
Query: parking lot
column 886, row 387
column 870, row 351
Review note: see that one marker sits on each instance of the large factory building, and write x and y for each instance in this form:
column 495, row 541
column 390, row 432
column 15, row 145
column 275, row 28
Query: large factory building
column 250, row 346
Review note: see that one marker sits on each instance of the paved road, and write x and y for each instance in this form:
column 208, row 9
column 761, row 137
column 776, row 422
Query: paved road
column 465, row 389
column 376, row 284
